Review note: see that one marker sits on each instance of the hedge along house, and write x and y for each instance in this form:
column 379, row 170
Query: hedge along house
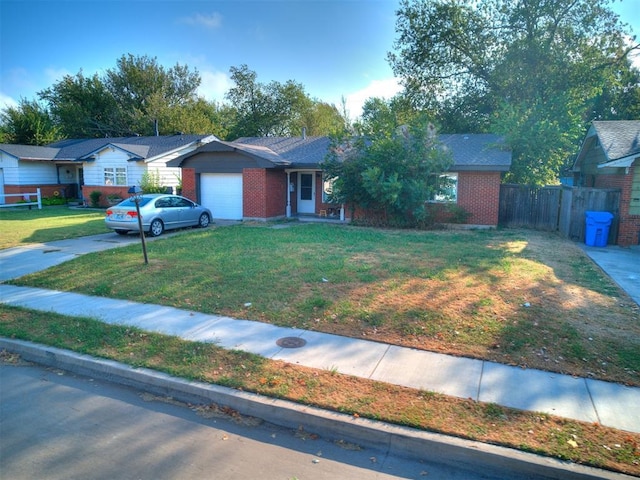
column 263, row 178
column 609, row 157
column 76, row 167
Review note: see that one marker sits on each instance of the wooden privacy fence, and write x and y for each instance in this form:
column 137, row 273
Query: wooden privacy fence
column 557, row 208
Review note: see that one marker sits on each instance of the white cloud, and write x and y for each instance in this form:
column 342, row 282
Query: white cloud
column 54, row 75
column 212, row 20
column 214, row 85
column 385, row 88
column 6, row 101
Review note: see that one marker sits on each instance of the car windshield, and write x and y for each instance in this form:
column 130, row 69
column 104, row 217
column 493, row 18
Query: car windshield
column 130, row 203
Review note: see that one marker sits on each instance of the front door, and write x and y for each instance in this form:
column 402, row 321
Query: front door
column 306, row 193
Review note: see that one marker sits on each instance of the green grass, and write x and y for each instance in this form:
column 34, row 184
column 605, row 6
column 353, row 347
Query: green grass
column 21, row 226
column 443, row 291
column 455, row 292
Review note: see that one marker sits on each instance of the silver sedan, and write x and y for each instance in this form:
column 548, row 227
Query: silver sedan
column 159, row 212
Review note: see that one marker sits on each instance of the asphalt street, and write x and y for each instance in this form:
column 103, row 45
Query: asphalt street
column 56, row 425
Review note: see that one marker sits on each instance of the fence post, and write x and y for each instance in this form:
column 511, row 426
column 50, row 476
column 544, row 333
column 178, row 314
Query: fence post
column 39, row 198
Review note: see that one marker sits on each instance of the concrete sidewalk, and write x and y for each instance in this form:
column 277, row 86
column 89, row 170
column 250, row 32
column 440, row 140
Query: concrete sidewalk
column 588, row 400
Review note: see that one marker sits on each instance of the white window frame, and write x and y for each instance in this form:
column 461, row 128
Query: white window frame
column 116, row 176
column 440, row 197
column 327, row 189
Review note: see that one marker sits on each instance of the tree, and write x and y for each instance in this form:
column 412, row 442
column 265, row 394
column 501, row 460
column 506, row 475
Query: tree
column 388, row 172
column 277, row 109
column 138, row 97
column 29, row 124
column 529, row 69
column 145, row 92
column 620, row 99
column 323, row 119
column 83, row 108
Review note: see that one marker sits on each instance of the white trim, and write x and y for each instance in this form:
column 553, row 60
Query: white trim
column 621, row 162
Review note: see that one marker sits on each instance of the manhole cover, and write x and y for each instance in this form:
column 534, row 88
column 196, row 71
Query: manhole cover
column 291, row 342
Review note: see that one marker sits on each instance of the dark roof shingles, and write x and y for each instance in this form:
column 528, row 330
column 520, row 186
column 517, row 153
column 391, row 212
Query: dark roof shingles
column 477, row 151
column 76, row 149
column 619, row 138
column 299, row 151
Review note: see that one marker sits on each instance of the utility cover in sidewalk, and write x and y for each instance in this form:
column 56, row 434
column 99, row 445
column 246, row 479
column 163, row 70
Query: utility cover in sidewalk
column 291, row 342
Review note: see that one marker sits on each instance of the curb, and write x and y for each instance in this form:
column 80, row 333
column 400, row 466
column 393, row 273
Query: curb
column 394, row 439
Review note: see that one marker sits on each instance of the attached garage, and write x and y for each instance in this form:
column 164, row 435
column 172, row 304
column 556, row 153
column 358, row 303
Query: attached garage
column 222, row 194
column 254, row 178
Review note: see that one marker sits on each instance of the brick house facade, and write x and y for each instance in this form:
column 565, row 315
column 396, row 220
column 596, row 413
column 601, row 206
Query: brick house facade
column 479, row 195
column 282, row 176
column 610, row 158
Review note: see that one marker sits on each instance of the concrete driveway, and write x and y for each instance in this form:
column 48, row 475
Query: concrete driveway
column 621, row 264
column 18, row 261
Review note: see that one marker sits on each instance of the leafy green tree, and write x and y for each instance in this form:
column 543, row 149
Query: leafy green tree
column 199, row 117
column 145, row 91
column 83, row 108
column 139, row 96
column 388, row 172
column 28, row 124
column 532, row 70
column 323, row 119
column 277, row 109
column 620, row 98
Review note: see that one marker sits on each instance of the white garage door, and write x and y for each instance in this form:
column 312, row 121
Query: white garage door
column 222, row 194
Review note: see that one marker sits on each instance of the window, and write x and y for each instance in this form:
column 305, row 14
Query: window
column 444, row 188
column 115, row 176
column 327, row 190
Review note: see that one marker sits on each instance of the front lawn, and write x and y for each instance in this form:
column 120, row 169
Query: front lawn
column 515, row 297
column 20, row 225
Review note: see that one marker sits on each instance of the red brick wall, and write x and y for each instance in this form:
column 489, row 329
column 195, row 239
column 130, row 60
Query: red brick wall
column 122, row 192
column 263, row 193
column 276, row 193
column 629, row 225
column 479, row 194
column 189, row 187
column 45, row 191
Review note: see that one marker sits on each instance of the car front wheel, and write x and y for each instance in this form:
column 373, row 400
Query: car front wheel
column 204, row 220
column 156, row 228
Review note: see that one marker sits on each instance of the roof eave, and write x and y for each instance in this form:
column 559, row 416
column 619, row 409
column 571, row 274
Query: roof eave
column 479, row 168
column 170, row 152
column 620, row 162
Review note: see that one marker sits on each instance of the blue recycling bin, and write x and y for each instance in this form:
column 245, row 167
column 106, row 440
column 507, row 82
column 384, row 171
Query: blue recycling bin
column 597, row 228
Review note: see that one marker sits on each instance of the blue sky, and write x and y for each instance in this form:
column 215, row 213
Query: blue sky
column 334, row 48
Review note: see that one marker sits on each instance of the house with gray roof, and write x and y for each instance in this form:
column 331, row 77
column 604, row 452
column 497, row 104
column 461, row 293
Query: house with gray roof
column 266, row 178
column 609, row 157
column 73, row 168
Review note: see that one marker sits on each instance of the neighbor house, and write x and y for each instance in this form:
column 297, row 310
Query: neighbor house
column 264, row 178
column 610, row 158
column 75, row 168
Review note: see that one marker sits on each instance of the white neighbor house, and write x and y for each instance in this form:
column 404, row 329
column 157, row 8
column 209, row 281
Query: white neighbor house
column 74, row 168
